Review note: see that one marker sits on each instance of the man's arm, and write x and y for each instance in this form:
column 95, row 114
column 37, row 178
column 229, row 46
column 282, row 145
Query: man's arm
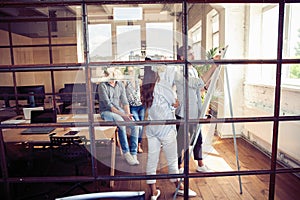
column 194, row 82
column 127, row 116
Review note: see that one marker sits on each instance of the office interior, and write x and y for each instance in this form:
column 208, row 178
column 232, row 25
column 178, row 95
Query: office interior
column 53, row 56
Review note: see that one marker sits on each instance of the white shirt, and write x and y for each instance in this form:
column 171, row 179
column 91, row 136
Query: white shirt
column 162, row 108
column 195, row 84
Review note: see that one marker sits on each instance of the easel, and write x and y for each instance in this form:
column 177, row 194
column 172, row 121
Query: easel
column 204, row 110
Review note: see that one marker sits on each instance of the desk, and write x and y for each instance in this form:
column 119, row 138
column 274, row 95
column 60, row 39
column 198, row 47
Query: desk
column 101, row 133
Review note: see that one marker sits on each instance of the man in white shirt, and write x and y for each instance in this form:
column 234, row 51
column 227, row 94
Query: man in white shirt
column 196, row 84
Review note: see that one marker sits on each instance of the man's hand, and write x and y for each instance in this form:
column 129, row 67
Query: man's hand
column 127, row 116
column 217, row 57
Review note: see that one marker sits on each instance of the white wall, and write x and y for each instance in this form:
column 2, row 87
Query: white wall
column 232, row 19
column 259, row 100
column 240, row 26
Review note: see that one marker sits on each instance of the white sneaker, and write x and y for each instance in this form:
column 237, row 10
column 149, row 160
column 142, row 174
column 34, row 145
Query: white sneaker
column 130, row 160
column 136, row 160
column 191, row 193
column 156, row 196
column 204, row 168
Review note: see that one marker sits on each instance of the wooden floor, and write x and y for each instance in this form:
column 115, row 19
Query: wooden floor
column 220, row 156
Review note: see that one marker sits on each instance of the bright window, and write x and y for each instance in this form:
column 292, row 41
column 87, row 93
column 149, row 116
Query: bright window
column 215, row 30
column 128, row 42
column 100, row 42
column 159, row 37
column 291, row 72
column 196, row 38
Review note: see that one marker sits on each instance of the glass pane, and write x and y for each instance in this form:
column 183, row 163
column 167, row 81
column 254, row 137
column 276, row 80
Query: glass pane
column 68, row 76
column 31, row 155
column 290, row 76
column 288, row 147
column 65, row 32
column 220, row 154
column 291, row 48
column 76, row 157
column 29, row 33
column 288, row 157
column 246, row 89
column 37, row 83
column 5, row 57
column 253, row 187
column 4, row 34
column 7, row 90
column 71, row 89
column 286, row 186
column 66, row 54
column 124, row 39
column 128, row 42
column 259, row 90
column 31, row 55
column 252, row 141
column 100, row 42
column 247, row 34
column 25, row 12
column 26, row 159
column 289, row 91
column 257, row 140
column 128, row 13
column 106, row 151
column 270, row 24
column 65, row 11
column 161, row 49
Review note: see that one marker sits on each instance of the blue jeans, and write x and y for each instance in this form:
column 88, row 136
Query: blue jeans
column 138, row 115
column 110, row 116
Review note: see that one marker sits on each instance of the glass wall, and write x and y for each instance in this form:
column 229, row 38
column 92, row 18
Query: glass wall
column 233, row 67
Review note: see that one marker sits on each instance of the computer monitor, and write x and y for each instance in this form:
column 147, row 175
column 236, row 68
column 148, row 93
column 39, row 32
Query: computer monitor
column 32, row 93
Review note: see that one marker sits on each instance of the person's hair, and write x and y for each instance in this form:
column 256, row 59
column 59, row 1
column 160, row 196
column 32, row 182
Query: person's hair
column 180, row 51
column 150, row 78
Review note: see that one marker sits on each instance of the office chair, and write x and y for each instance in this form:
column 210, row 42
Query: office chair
column 128, row 195
column 70, row 149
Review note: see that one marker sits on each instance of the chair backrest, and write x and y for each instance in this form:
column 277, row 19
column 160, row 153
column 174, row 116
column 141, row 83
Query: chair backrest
column 128, row 195
column 68, row 147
